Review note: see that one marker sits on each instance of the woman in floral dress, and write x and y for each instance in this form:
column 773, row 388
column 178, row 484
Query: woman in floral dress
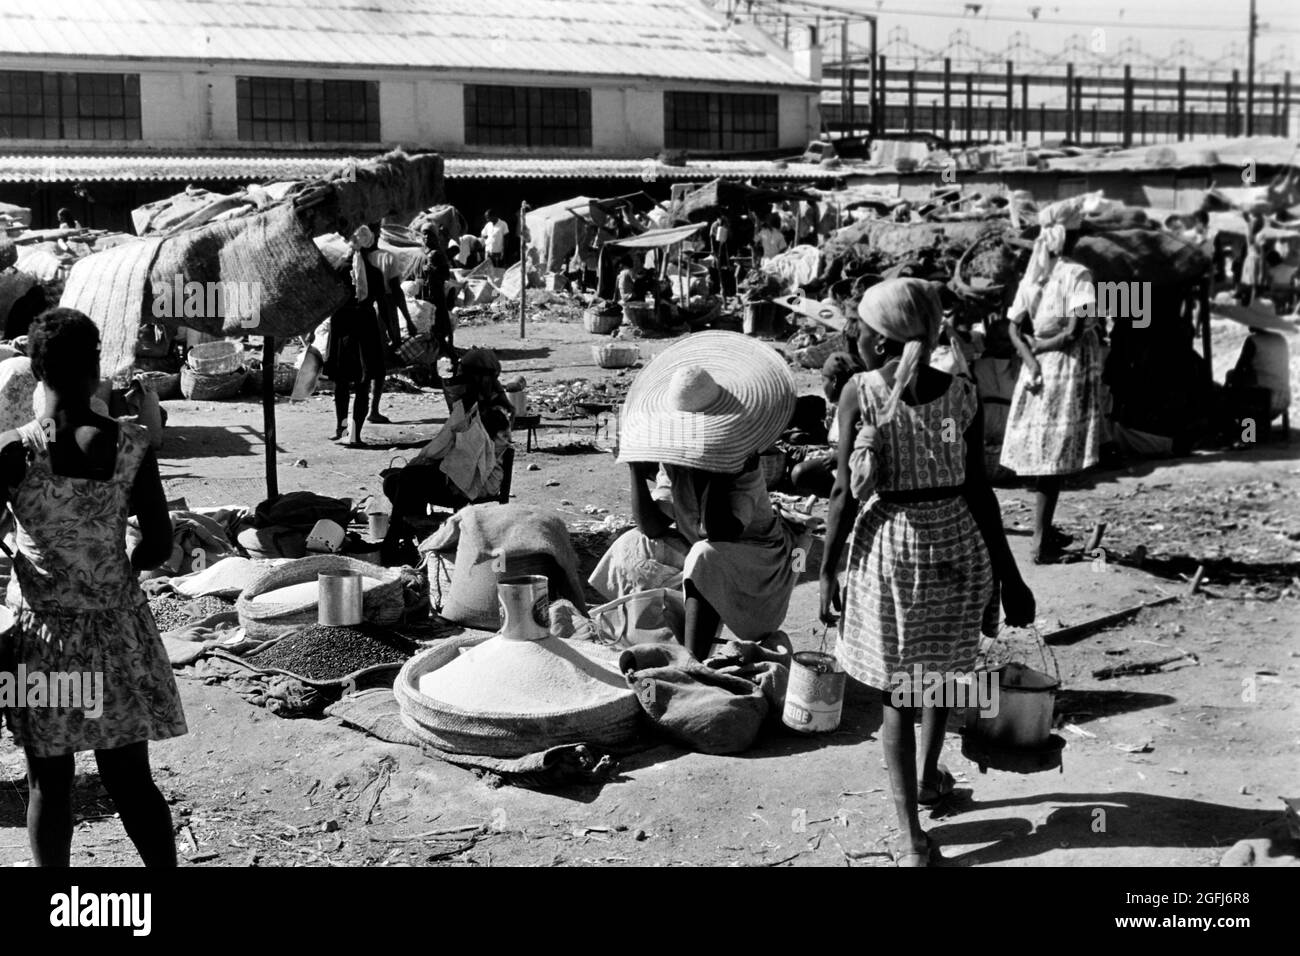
column 1055, row 424
column 927, row 544
column 73, row 478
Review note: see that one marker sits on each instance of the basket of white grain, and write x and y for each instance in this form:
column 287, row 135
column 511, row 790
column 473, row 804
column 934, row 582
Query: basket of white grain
column 288, row 595
column 503, row 697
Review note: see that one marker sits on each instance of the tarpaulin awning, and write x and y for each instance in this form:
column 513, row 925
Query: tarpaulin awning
column 724, row 194
column 658, row 238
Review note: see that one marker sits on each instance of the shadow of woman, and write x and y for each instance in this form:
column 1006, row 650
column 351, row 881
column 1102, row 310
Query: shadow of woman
column 1098, row 821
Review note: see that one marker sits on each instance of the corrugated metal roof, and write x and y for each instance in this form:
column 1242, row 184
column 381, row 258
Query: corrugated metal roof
column 663, row 39
column 1235, row 151
column 62, row 169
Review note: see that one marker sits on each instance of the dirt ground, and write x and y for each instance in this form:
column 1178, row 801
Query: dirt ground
column 1167, row 768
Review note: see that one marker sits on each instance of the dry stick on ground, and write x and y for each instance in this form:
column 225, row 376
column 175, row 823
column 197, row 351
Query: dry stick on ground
column 1142, row 667
column 1106, row 620
column 448, row 833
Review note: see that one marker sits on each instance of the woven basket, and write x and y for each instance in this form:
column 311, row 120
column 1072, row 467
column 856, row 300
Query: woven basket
column 601, row 323
column 214, row 358
column 642, row 315
column 163, row 384
column 380, row 605
column 609, row 724
column 616, row 355
column 211, row 387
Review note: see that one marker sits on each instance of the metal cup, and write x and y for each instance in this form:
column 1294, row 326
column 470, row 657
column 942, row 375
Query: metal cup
column 525, row 607
column 340, row 598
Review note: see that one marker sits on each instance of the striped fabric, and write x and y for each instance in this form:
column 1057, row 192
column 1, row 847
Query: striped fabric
column 918, row 575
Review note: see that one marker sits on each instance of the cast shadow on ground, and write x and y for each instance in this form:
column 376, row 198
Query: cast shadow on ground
column 1098, row 821
column 211, row 441
column 518, row 355
column 1083, row 706
column 1280, row 449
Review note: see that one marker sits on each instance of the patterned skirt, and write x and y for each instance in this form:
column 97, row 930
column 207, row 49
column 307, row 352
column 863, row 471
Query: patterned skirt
column 917, row 585
column 116, row 683
column 1058, row 430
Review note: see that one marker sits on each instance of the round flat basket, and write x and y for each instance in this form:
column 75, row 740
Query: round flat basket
column 610, row 724
column 200, row 387
column 616, row 355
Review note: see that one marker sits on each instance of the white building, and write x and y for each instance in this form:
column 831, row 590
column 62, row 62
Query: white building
column 557, row 78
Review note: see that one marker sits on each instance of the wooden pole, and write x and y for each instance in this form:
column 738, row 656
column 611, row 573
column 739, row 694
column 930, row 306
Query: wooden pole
column 523, row 272
column 268, row 416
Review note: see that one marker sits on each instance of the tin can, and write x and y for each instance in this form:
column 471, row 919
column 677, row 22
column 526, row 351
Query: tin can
column 525, row 607
column 814, row 696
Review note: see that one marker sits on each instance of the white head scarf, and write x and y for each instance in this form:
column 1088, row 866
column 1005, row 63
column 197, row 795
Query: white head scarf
column 907, row 311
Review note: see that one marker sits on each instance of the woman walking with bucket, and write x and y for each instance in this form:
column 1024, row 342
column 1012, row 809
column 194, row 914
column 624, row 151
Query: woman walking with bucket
column 927, row 547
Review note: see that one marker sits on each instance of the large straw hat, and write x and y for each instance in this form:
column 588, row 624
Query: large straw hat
column 707, row 402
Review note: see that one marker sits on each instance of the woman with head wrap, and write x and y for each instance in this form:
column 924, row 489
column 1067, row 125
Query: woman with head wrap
column 928, row 546
column 1054, row 426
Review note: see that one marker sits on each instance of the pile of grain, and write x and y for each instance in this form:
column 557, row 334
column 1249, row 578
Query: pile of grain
column 170, row 613
column 529, row 678
column 322, row 653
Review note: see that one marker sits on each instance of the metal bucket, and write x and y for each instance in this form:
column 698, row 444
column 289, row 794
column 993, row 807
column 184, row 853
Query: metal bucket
column 763, row 319
column 814, row 697
column 340, row 598
column 1025, row 704
column 525, row 603
column 378, row 522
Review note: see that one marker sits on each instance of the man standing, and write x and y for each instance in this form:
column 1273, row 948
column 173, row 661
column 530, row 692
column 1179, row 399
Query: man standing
column 494, row 235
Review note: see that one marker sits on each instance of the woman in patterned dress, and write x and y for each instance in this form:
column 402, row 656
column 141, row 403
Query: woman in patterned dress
column 928, row 546
column 73, row 477
column 1054, row 427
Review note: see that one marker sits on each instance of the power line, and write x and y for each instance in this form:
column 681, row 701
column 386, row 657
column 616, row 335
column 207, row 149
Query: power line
column 835, row 10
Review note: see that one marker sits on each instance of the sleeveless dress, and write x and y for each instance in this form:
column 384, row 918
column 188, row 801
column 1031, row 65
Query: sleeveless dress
column 1057, row 430
column 78, row 608
column 919, row 576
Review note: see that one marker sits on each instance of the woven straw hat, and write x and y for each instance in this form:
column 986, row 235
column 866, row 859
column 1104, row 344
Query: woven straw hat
column 707, row 402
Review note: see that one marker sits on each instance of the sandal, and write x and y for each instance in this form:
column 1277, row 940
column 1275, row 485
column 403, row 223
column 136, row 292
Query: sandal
column 933, row 795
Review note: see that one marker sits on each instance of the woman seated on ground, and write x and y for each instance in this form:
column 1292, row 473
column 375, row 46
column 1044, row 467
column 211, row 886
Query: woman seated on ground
column 466, row 461
column 700, row 412
column 72, row 478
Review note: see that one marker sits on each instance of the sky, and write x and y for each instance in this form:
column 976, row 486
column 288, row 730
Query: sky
column 1188, row 32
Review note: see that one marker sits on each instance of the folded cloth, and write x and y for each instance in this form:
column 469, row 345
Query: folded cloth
column 864, row 462
column 701, row 708
column 464, row 452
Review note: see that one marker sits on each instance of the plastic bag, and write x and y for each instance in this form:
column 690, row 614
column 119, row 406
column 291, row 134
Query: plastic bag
column 657, row 616
column 309, row 368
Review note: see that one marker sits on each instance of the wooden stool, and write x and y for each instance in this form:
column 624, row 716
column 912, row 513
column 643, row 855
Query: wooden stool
column 529, row 424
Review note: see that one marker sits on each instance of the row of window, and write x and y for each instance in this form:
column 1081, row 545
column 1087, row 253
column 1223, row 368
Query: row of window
column 275, row 110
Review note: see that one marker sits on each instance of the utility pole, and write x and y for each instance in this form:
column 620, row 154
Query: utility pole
column 1250, row 72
